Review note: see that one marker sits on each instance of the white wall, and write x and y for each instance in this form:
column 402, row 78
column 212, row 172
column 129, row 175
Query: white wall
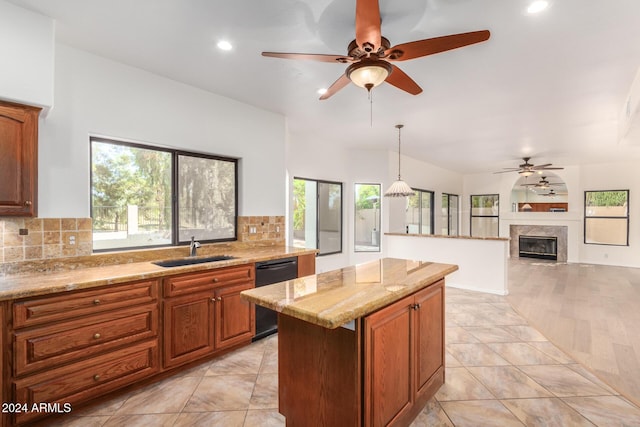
column 614, row 176
column 482, row 264
column 311, row 159
column 96, row 96
column 423, row 176
column 26, row 55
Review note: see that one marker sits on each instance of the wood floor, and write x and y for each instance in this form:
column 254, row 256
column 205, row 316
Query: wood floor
column 592, row 312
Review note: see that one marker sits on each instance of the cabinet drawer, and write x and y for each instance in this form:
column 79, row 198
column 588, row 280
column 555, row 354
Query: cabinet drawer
column 82, row 303
column 194, row 282
column 50, row 346
column 90, row 378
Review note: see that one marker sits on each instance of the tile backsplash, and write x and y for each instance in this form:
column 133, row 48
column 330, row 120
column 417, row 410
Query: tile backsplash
column 261, row 228
column 24, row 239
column 29, row 239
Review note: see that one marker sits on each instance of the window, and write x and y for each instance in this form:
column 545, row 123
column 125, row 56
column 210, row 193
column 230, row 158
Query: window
column 484, row 215
column 450, row 215
column 143, row 196
column 419, row 214
column 606, row 217
column 367, row 218
column 317, row 215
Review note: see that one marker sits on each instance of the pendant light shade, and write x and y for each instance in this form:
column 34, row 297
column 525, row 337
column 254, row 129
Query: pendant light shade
column 399, row 188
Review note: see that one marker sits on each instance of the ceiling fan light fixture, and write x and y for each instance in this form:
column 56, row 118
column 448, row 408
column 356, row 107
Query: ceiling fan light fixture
column 368, row 74
column 526, row 173
column 399, row 188
column 537, row 6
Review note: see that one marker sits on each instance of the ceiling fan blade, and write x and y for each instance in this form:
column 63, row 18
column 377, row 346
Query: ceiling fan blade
column 342, row 81
column 309, row 56
column 417, row 49
column 401, row 80
column 368, row 33
column 544, row 168
column 537, row 167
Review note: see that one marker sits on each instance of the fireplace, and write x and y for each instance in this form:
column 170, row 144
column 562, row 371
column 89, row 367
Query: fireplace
column 542, row 247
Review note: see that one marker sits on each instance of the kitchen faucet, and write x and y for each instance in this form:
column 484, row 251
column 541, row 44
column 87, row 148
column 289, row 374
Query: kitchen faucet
column 193, row 246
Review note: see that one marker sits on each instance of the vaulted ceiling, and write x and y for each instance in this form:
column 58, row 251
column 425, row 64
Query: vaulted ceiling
column 551, row 86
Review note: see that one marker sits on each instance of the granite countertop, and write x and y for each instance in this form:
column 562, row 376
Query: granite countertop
column 337, row 297
column 442, row 236
column 27, row 284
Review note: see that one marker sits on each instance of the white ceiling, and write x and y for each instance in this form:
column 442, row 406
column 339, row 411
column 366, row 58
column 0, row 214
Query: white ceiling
column 550, row 86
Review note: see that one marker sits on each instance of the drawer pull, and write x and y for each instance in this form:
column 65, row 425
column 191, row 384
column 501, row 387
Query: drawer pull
column 215, row 280
column 96, row 377
column 28, row 203
column 96, row 302
column 96, row 336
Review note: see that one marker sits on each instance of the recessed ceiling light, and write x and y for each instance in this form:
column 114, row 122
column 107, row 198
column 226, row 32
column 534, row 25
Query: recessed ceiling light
column 322, row 91
column 224, row 45
column 537, row 6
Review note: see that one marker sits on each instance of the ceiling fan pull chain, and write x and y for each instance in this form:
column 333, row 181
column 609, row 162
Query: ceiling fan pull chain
column 370, row 109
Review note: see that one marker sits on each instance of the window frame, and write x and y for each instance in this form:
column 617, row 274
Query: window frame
column 448, row 215
column 317, row 224
column 421, row 192
column 471, row 215
column 627, row 218
column 379, row 220
column 175, row 220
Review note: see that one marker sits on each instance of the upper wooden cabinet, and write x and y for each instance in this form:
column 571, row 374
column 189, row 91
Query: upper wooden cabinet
column 18, row 159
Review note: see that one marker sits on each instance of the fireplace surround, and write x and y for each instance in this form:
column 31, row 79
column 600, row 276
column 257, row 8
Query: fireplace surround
column 558, row 231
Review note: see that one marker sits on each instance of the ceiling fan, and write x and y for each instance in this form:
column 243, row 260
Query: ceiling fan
column 528, row 169
column 543, row 183
column 369, row 55
column 552, row 193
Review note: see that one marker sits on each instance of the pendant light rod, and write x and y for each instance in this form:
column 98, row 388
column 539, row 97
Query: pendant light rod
column 399, row 188
column 399, row 126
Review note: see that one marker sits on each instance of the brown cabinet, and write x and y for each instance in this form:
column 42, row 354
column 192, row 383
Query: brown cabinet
column 380, row 371
column 203, row 313
column 306, row 265
column 18, row 159
column 72, row 347
column 404, row 357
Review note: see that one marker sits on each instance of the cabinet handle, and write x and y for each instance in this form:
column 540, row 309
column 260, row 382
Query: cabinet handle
column 215, row 280
column 96, row 301
column 213, row 299
column 219, row 298
column 96, row 336
column 415, row 306
column 96, row 377
column 28, row 203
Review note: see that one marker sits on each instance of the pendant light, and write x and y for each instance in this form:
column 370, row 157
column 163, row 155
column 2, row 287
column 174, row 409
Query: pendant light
column 399, row 188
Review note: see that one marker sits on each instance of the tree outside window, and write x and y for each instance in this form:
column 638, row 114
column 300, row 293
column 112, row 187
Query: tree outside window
column 132, row 196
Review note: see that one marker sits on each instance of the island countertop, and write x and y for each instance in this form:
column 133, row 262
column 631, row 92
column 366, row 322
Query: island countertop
column 337, row 297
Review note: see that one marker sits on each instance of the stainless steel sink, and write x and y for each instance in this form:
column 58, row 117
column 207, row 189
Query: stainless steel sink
column 189, row 261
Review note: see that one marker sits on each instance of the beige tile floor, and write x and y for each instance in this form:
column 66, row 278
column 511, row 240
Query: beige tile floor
column 500, row 372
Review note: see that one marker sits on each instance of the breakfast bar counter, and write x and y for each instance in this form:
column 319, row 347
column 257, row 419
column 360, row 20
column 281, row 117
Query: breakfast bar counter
column 362, row 345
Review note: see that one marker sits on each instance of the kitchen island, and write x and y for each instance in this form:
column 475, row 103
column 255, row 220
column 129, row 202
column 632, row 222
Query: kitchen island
column 362, row 345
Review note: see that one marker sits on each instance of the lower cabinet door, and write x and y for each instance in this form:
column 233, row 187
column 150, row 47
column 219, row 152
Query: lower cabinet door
column 429, row 335
column 188, row 328
column 388, row 392
column 58, row 388
column 235, row 317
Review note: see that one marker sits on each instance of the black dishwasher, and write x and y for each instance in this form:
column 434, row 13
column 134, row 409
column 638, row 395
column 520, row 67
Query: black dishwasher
column 268, row 272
